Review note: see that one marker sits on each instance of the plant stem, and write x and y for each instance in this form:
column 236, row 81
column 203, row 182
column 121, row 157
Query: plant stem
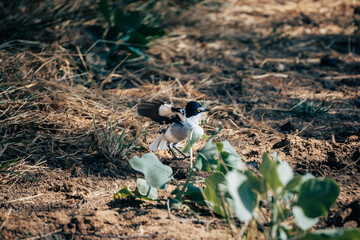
column 275, row 216
column 191, row 158
column 181, row 193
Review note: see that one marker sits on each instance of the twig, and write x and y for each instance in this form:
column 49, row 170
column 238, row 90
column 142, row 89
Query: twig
column 6, row 218
column 353, row 163
column 297, row 133
column 109, row 76
column 301, row 102
column 25, row 198
column 81, row 57
column 279, row 75
column 287, row 60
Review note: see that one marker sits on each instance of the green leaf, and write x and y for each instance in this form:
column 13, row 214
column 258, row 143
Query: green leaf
column 137, row 40
column 96, row 32
column 213, row 192
column 194, row 194
column 220, row 146
column 156, row 173
column 9, row 163
column 145, row 190
column 269, row 171
column 126, row 193
column 123, row 193
column 255, row 182
column 174, row 203
column 285, row 172
column 112, row 34
column 119, row 18
column 334, row 234
column 242, row 195
column 104, row 9
column 317, row 195
column 303, row 221
column 194, row 135
column 148, row 31
column 233, row 160
column 132, row 20
column 294, row 184
column 207, row 158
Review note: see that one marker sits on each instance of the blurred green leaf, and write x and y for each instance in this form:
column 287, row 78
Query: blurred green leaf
column 317, row 195
column 242, row 195
column 269, row 172
column 126, row 193
column 156, row 173
column 233, row 160
column 255, row 182
column 207, row 158
column 149, row 31
column 138, row 40
column 192, row 193
column 145, row 190
column 213, row 192
column 123, row 193
column 303, row 221
column 132, row 20
column 194, row 135
column 112, row 34
column 119, row 18
column 104, row 9
column 174, row 203
column 334, row 234
column 294, row 184
column 96, row 32
column 220, row 146
column 285, row 172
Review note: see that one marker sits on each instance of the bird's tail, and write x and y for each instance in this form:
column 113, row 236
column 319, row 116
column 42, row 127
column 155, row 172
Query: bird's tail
column 158, row 144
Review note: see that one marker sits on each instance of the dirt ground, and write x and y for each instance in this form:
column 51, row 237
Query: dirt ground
column 253, row 62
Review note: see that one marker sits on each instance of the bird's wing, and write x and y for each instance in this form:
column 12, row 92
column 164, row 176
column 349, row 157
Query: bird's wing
column 160, row 112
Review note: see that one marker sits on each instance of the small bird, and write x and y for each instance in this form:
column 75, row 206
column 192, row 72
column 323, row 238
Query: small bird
column 180, row 120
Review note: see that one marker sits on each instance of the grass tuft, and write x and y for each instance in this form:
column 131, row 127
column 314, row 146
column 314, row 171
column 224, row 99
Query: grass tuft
column 112, row 145
column 310, row 109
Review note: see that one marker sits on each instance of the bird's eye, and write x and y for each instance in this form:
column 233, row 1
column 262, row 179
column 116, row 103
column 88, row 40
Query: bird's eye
column 199, row 110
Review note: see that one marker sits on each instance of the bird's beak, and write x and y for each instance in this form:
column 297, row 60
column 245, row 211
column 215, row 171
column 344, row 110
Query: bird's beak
column 207, row 110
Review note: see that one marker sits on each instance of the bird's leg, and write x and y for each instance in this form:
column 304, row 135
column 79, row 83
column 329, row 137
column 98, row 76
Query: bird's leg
column 172, row 152
column 183, row 154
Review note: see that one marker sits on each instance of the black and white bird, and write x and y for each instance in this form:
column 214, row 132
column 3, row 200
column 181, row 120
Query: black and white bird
column 181, row 122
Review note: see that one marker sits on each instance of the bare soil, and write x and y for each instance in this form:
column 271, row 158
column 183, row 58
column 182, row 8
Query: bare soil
column 253, row 62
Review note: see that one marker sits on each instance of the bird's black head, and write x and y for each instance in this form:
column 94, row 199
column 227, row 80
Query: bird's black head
column 193, row 108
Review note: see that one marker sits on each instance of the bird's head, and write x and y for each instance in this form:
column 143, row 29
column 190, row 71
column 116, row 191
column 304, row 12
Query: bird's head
column 194, row 108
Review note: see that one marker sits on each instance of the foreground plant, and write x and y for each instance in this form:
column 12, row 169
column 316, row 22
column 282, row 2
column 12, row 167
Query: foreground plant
column 233, row 191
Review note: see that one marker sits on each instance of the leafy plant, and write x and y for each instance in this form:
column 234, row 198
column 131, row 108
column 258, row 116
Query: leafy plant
column 126, row 30
column 232, row 191
column 311, row 109
column 111, row 144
